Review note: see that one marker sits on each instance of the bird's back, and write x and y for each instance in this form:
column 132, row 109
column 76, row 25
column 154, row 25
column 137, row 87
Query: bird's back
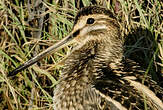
column 124, row 87
column 117, row 86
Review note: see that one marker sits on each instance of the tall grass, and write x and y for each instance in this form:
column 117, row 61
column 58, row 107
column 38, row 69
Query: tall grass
column 27, row 28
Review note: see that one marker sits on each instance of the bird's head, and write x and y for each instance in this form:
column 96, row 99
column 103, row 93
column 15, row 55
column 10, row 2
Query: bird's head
column 92, row 23
column 95, row 23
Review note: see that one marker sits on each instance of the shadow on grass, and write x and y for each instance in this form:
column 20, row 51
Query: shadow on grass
column 141, row 45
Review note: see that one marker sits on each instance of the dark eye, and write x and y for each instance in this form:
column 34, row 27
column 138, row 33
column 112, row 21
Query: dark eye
column 90, row 21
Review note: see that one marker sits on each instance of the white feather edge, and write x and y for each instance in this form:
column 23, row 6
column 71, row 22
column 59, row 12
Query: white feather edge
column 147, row 92
column 116, row 103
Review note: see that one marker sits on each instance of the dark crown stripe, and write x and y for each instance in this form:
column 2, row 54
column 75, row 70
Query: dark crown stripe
column 92, row 10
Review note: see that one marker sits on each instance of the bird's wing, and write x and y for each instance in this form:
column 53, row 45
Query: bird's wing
column 127, row 94
column 124, row 88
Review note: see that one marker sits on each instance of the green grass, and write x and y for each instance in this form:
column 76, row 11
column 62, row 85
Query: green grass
column 19, row 41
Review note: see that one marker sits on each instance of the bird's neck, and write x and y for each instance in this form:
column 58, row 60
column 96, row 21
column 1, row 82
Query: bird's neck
column 81, row 69
column 88, row 59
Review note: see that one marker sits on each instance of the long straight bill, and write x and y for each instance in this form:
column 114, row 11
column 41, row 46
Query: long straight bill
column 64, row 42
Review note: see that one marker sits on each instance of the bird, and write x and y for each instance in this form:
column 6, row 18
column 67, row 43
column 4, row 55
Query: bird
column 96, row 75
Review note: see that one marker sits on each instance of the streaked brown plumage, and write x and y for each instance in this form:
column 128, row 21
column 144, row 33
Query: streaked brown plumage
column 95, row 74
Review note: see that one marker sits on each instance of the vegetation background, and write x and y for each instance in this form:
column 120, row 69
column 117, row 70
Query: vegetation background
column 28, row 27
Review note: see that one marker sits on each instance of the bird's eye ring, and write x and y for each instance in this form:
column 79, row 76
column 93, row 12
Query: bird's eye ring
column 90, row 20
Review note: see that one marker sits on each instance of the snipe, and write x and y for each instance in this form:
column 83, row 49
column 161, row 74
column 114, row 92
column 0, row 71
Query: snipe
column 95, row 74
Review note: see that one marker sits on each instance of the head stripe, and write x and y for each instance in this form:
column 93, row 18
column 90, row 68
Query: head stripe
column 93, row 10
